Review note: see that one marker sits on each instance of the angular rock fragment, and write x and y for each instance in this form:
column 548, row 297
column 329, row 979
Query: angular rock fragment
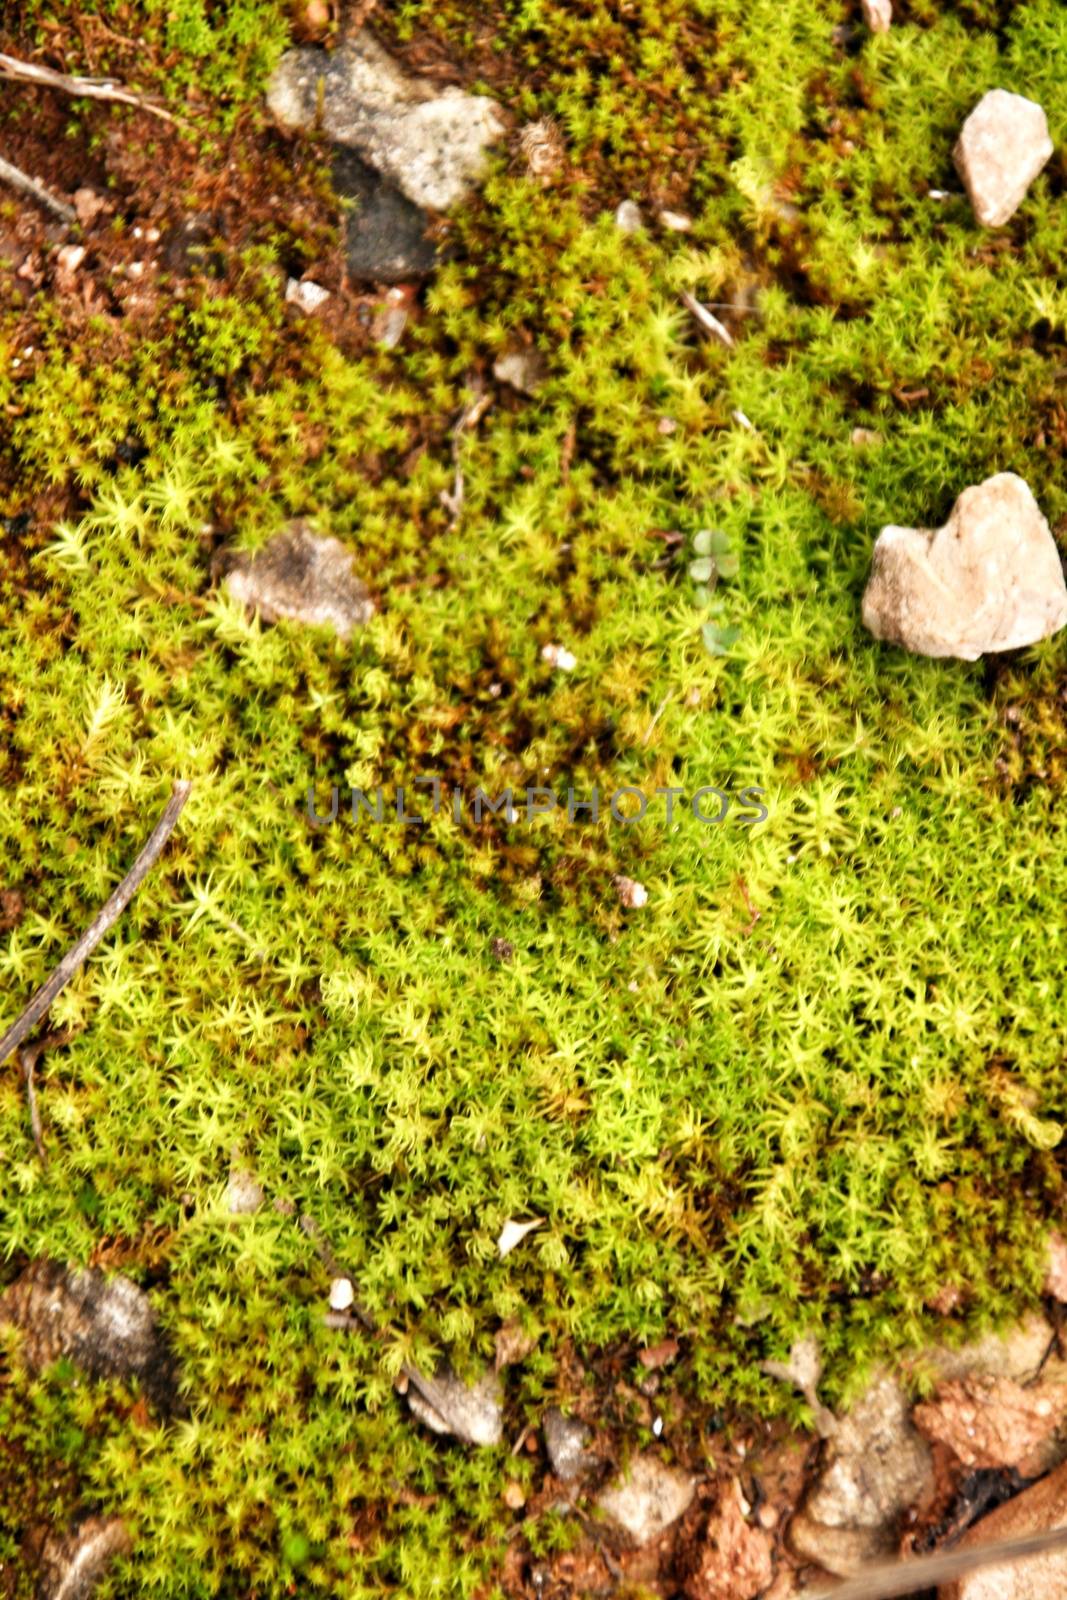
column 304, row 577
column 990, row 579
column 105, row 1325
column 385, row 232
column 732, row 1561
column 994, row 1422
column 565, row 1440
column 244, row 1197
column 431, row 143
column 1040, row 1577
column 1002, row 147
column 628, row 217
column 524, row 369
column 878, row 15
column 877, row 1466
column 472, row 1412
column 647, row 1498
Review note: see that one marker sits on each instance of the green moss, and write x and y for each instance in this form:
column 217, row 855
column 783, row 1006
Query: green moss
column 817, row 1075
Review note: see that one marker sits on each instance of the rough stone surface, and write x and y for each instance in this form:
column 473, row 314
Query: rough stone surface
column 105, row 1325
column 244, row 1197
column 993, row 1422
column 878, row 15
column 385, row 232
column 989, row 580
column 732, row 1561
column 877, row 1466
column 302, row 576
column 645, row 1500
column 1018, row 1353
column 565, row 1440
column 1001, row 149
column 525, row 369
column 628, row 217
column 1040, row 1577
column 71, row 1564
column 431, row 144
column 470, row 1411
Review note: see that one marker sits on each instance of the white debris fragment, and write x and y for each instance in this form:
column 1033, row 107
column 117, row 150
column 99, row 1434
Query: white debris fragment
column 742, row 421
column 675, row 221
column 709, row 323
column 513, row 1233
column 342, row 1294
column 305, row 294
column 628, row 218
column 632, row 895
column 70, row 259
column 557, row 656
column 878, row 15
column 1002, row 147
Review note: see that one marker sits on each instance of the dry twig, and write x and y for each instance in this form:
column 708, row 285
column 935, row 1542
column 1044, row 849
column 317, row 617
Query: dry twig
column 893, row 1579
column 32, row 186
column 88, row 88
column 24, row 1025
column 28, row 1056
column 703, row 316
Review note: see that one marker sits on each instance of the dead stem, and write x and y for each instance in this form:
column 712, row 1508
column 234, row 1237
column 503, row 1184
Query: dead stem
column 31, row 186
column 105, row 919
column 88, row 88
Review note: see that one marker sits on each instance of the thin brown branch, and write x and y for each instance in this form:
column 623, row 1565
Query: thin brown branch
column 894, row 1579
column 105, row 919
column 88, row 88
column 32, row 186
column 28, row 1057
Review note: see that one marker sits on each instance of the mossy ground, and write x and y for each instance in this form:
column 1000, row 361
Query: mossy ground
column 821, row 1073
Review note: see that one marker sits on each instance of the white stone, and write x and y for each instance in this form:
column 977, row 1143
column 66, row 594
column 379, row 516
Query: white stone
column 1001, row 149
column 342, row 1294
column 628, row 218
column 647, row 1499
column 878, row 15
column 431, row 143
column 305, row 294
column 675, row 221
column 632, row 895
column 557, row 656
column 243, row 1194
column 990, row 579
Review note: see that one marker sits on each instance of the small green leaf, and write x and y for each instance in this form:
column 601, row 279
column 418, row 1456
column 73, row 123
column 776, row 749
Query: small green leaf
column 702, row 542
column 701, row 571
column 728, row 564
column 719, row 641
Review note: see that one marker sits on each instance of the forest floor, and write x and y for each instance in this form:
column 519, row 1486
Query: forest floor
column 812, row 1082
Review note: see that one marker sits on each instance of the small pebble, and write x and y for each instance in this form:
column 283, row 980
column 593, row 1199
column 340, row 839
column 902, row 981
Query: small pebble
column 557, row 656
column 628, row 218
column 341, row 1294
column 675, row 221
column 632, row 895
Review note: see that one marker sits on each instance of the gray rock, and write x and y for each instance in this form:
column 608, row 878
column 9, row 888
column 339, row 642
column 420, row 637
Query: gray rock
column 304, row 577
column 647, row 1498
column 877, row 1465
column 565, row 1440
column 990, row 579
column 472, row 1412
column 106, row 1325
column 1002, row 147
column 385, row 233
column 431, row 143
